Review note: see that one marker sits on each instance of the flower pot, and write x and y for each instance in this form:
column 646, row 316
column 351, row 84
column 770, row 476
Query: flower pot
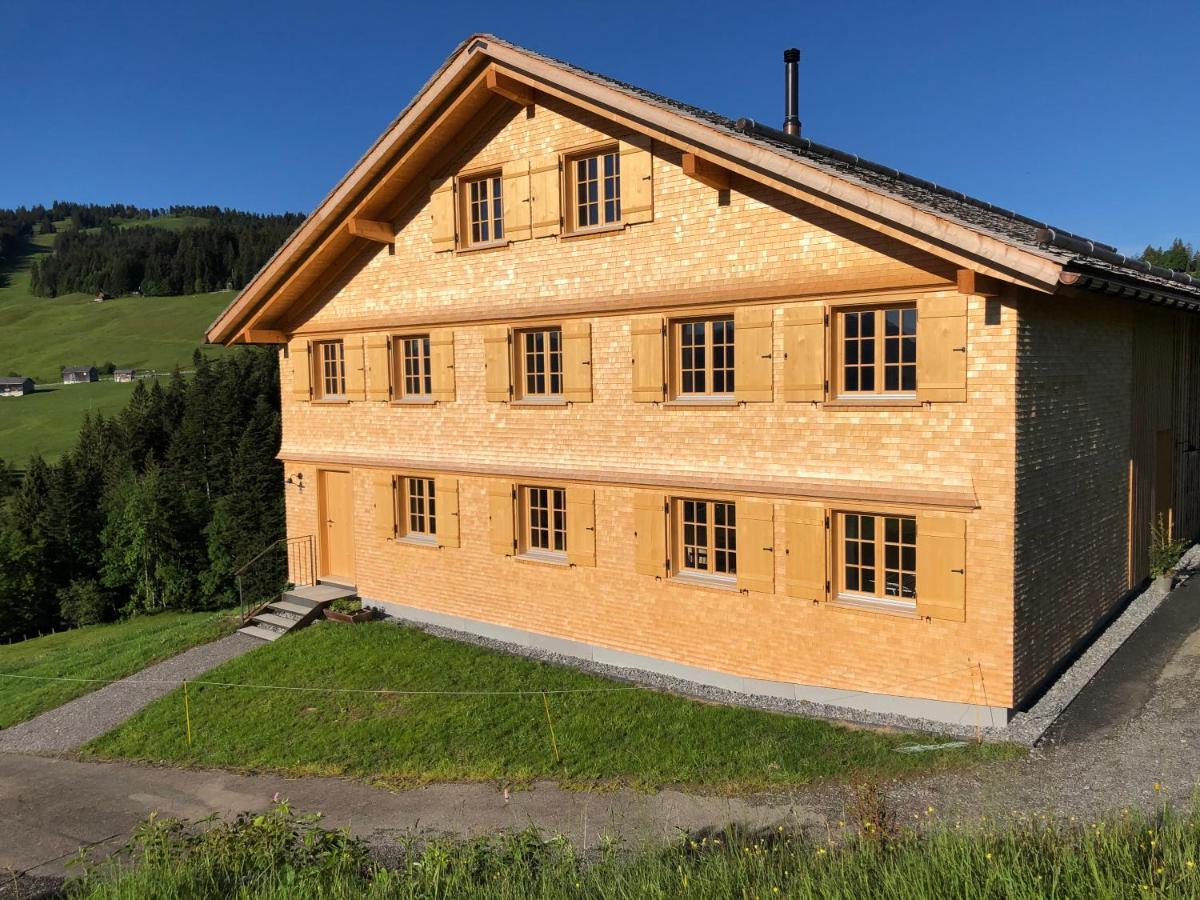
column 363, row 615
column 1163, row 583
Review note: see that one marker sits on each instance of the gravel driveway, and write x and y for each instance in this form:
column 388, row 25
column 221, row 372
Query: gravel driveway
column 74, row 724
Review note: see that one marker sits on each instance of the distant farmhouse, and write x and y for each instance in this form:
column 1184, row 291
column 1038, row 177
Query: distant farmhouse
column 15, row 387
column 124, row 375
column 101, row 296
column 79, row 374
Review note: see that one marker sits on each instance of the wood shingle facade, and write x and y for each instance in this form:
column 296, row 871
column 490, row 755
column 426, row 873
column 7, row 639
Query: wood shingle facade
column 570, row 364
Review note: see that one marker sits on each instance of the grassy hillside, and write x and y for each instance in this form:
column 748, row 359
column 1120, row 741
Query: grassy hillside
column 38, row 335
column 45, row 422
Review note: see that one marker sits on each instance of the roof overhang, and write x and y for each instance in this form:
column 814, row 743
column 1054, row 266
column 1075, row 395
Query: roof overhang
column 459, row 99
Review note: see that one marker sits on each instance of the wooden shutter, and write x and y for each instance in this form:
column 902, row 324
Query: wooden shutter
column 301, row 356
column 753, row 345
column 807, row 551
column 515, row 198
column 756, row 546
column 942, row 349
column 650, row 533
column 649, row 378
column 545, row 195
column 577, row 361
column 941, row 567
column 379, row 374
column 496, row 344
column 356, row 367
column 441, row 211
column 804, row 353
column 501, row 507
column 441, row 363
column 637, row 180
column 445, row 492
column 385, row 504
column 581, row 526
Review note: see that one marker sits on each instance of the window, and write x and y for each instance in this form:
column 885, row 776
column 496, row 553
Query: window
column 414, row 375
column 707, row 537
column 703, row 353
column 420, row 502
column 540, row 363
column 878, row 350
column 484, row 209
column 331, row 378
column 595, row 189
column 544, row 515
column 879, row 556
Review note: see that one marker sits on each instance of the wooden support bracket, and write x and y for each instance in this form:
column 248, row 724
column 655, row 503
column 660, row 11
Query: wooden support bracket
column 971, row 282
column 263, row 336
column 371, row 230
column 705, row 172
column 508, row 87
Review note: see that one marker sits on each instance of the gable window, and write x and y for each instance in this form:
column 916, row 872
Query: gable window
column 706, row 537
column 703, row 357
column 484, row 209
column 331, row 363
column 595, row 189
column 879, row 556
column 412, row 361
column 878, row 351
column 544, row 521
column 420, row 503
column 540, row 363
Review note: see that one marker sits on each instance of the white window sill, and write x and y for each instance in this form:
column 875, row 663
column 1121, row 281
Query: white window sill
column 413, row 401
column 593, row 230
column 418, row 540
column 700, row 579
column 905, row 608
column 725, row 400
column 551, row 400
column 544, row 556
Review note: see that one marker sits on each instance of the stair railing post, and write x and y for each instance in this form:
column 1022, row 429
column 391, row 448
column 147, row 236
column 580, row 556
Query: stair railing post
column 242, row 599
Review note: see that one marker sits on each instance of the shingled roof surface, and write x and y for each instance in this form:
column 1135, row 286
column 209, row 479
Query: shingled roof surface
column 1006, row 225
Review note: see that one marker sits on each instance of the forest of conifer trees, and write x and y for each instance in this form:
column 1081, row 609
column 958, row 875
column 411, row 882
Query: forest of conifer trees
column 155, row 508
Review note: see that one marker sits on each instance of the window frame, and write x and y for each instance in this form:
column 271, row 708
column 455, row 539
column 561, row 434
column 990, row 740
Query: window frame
column 879, row 364
column 678, row 550
column 320, row 375
column 428, row 514
column 879, row 567
column 494, row 179
column 520, row 363
column 400, row 376
column 676, row 329
column 527, row 529
column 571, row 205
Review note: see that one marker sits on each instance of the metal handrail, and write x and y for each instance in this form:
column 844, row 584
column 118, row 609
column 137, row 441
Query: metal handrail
column 303, row 572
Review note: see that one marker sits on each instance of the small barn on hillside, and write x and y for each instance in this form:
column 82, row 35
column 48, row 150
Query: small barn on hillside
column 78, row 374
column 124, row 375
column 15, row 386
column 101, row 296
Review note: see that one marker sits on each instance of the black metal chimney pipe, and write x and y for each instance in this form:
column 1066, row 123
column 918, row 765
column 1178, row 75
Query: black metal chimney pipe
column 791, row 71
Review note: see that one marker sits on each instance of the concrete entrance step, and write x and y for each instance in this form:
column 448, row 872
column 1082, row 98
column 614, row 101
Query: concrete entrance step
column 266, row 634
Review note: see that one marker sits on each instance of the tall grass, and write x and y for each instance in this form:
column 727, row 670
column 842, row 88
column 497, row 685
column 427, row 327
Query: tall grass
column 278, row 855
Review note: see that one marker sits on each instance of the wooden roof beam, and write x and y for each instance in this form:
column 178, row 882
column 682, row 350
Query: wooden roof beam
column 972, row 282
column 509, row 88
column 705, row 171
column 263, row 336
column 382, row 232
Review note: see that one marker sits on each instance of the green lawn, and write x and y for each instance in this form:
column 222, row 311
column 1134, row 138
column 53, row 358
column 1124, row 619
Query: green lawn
column 629, row 736
column 97, row 651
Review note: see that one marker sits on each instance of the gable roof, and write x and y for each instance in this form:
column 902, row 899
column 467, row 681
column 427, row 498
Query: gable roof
column 971, row 232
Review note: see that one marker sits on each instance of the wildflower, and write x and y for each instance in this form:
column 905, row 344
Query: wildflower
column 989, row 856
column 841, row 824
column 821, row 851
column 1157, row 787
column 929, row 810
column 1190, row 864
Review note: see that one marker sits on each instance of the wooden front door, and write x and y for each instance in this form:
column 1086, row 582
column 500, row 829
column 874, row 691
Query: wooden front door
column 336, row 526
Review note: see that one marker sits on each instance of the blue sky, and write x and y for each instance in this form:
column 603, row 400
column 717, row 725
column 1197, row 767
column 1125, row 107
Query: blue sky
column 1081, row 114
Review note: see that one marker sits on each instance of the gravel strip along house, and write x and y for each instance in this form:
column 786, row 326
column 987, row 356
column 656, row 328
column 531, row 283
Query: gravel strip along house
column 572, row 365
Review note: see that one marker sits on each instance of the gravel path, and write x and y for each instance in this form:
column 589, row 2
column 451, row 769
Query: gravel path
column 74, row 724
